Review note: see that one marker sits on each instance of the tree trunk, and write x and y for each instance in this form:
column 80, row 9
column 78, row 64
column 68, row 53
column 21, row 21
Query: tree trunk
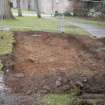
column 19, row 8
column 38, row 9
column 5, row 10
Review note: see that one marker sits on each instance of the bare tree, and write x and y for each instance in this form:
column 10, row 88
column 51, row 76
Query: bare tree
column 5, row 10
column 19, row 8
column 37, row 2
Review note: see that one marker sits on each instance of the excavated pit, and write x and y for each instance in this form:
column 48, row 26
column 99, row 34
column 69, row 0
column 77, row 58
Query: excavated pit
column 50, row 62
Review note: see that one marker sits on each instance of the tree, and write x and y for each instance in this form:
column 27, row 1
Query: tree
column 5, row 10
column 19, row 8
column 38, row 8
column 100, row 8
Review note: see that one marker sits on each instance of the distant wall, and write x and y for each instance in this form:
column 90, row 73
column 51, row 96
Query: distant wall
column 62, row 5
column 47, row 6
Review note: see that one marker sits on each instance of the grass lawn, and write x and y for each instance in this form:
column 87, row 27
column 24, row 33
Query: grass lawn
column 6, row 40
column 23, row 11
column 96, row 23
column 1, row 66
column 44, row 24
column 75, row 30
column 57, row 99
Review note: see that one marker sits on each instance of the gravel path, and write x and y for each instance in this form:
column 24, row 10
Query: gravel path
column 94, row 31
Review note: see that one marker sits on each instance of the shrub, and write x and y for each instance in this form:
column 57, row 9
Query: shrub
column 57, row 13
column 66, row 13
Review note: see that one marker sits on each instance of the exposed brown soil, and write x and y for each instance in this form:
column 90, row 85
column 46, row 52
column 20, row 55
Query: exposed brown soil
column 102, row 40
column 53, row 62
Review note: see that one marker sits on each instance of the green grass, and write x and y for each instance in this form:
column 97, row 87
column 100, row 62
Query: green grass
column 98, row 24
column 57, row 99
column 6, row 40
column 23, row 11
column 75, row 30
column 36, row 24
column 1, row 66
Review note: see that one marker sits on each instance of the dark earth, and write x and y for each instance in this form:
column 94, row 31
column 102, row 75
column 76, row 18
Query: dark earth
column 44, row 62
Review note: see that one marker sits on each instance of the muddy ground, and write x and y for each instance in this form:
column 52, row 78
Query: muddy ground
column 48, row 62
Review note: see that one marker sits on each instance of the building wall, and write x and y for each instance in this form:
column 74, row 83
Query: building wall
column 24, row 4
column 62, row 5
column 47, row 6
column 58, row 5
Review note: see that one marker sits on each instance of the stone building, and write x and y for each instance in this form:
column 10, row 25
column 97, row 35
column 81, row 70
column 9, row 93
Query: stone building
column 25, row 4
column 46, row 6
column 78, row 7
